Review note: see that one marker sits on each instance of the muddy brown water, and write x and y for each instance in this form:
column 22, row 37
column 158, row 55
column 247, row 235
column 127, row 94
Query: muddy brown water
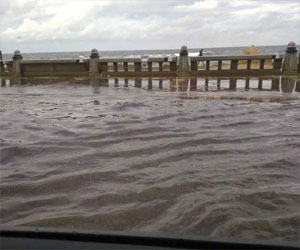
column 159, row 156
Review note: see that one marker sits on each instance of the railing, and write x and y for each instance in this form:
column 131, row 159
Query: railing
column 133, row 67
column 236, row 65
column 54, row 67
column 138, row 67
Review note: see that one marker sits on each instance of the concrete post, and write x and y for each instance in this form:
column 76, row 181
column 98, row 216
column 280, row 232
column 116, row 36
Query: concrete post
column 287, row 84
column 219, row 64
column 1, row 64
column 173, row 66
column 125, row 64
column 194, row 65
column 137, row 66
column 115, row 66
column 297, row 89
column 104, row 68
column 16, row 63
column 160, row 66
column 234, row 64
column 183, row 65
column 149, row 66
column 277, row 63
column 290, row 60
column 249, row 64
column 94, row 57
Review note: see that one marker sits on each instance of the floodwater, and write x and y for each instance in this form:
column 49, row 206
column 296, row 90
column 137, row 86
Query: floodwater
column 204, row 157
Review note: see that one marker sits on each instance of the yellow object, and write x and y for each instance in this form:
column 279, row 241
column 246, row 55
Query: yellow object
column 251, row 51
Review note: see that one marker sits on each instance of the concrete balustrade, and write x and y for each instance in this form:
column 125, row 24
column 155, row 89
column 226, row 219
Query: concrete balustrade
column 245, row 65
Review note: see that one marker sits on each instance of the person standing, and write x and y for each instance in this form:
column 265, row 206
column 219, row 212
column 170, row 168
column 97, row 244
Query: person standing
column 201, row 52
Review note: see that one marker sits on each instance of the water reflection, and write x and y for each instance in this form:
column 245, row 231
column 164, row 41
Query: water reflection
column 193, row 84
column 160, row 83
column 6, row 83
column 275, row 84
column 121, row 153
column 116, row 82
column 287, row 85
column 232, row 84
column 297, row 89
column 150, row 83
column 180, row 84
column 278, row 84
column 97, row 84
column 138, row 83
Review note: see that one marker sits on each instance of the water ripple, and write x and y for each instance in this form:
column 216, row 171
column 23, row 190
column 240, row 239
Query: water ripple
column 133, row 159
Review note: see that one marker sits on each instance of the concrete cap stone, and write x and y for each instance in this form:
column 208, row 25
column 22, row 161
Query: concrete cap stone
column 184, row 47
column 291, row 44
column 94, row 53
column 17, row 52
column 17, row 55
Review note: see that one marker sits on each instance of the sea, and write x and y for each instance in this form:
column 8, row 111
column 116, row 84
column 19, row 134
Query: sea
column 208, row 158
column 276, row 50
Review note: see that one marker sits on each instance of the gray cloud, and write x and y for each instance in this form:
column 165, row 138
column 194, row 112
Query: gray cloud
column 54, row 25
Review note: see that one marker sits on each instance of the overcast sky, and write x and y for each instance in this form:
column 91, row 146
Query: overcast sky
column 80, row 25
